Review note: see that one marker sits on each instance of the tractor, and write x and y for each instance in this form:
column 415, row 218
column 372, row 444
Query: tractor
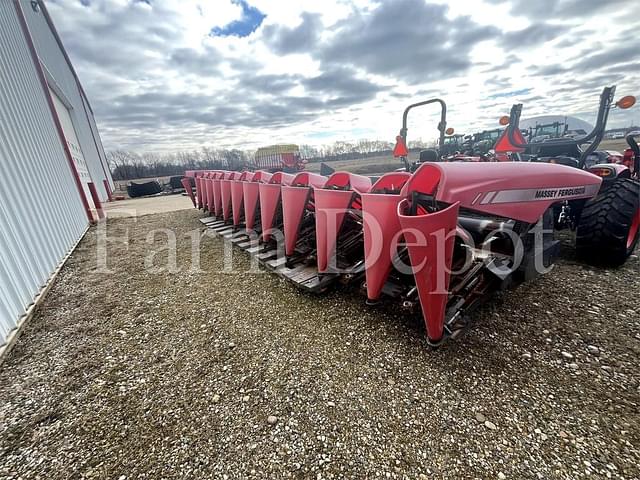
column 481, row 142
column 606, row 225
column 453, row 144
column 545, row 131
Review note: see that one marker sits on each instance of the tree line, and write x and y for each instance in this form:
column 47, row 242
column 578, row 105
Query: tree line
column 129, row 165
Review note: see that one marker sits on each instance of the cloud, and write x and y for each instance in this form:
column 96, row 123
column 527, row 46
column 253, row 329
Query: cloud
column 605, row 62
column 498, row 82
column 206, row 62
column 343, row 82
column 513, row 93
column 267, row 83
column 613, row 56
column 535, row 34
column 406, row 39
column 559, row 9
column 179, row 74
column 286, row 40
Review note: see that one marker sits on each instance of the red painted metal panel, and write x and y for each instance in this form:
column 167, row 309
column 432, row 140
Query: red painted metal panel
column 429, row 239
column 186, row 183
column 331, row 207
column 381, row 228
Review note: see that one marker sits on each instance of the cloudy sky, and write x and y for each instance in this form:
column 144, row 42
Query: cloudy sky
column 167, row 75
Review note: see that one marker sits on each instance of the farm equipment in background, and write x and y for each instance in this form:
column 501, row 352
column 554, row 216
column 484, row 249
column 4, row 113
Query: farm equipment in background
column 438, row 241
column 450, row 147
column 607, row 225
column 135, row 190
column 545, row 131
column 631, row 156
column 453, row 144
column 480, row 143
column 276, row 158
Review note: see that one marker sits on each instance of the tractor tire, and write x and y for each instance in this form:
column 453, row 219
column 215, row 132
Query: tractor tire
column 608, row 227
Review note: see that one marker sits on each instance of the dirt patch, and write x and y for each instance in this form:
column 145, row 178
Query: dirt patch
column 167, row 375
column 133, row 207
column 363, row 166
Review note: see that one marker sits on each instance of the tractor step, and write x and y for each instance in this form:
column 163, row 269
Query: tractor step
column 255, row 250
column 220, row 228
column 245, row 244
column 208, row 220
column 238, row 238
column 263, row 257
column 276, row 263
column 307, row 278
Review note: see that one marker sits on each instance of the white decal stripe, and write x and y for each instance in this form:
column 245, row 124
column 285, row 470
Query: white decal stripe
column 543, row 194
column 487, row 198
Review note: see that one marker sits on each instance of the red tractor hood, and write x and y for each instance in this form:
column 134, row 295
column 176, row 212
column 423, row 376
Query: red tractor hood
column 518, row 190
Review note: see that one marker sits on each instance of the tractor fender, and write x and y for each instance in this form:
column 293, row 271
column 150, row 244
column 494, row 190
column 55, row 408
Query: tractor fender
column 610, row 171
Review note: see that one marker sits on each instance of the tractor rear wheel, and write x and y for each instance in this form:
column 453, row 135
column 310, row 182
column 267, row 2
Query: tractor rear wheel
column 608, row 229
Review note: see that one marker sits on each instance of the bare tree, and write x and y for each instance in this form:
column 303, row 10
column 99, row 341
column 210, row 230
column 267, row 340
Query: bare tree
column 127, row 165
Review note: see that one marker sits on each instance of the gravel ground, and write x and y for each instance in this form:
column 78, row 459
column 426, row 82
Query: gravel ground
column 209, row 375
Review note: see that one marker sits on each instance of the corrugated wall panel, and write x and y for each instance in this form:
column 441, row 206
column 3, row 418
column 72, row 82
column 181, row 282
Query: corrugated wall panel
column 53, row 59
column 41, row 213
column 96, row 136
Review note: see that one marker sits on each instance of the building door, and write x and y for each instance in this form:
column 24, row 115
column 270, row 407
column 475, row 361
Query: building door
column 72, row 142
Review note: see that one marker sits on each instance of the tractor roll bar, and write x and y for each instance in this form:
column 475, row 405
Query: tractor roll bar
column 606, row 101
column 633, row 145
column 442, row 126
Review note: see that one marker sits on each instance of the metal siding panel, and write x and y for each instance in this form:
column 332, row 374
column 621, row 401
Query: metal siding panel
column 96, row 136
column 54, row 61
column 41, row 213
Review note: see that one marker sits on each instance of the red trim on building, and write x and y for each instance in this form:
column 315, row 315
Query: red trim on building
column 52, row 108
column 83, row 95
column 47, row 17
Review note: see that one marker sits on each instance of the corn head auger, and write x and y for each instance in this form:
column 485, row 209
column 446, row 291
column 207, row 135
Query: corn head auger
column 439, row 241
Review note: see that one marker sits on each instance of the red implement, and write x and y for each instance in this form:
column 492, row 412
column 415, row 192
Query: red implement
column 341, row 192
column 237, row 196
column 270, row 202
column 429, row 238
column 295, row 199
column 225, row 194
column 251, row 194
column 199, row 190
column 381, row 229
column 186, row 183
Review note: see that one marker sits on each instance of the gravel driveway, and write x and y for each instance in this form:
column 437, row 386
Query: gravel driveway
column 211, row 375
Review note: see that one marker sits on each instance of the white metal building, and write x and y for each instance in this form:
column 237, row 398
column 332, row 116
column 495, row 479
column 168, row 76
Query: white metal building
column 50, row 151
